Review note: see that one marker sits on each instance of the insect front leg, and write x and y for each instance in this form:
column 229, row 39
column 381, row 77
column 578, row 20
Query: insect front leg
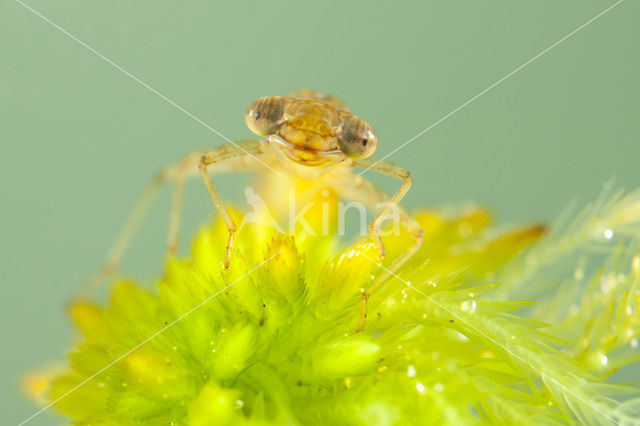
column 395, row 171
column 213, row 157
column 229, row 158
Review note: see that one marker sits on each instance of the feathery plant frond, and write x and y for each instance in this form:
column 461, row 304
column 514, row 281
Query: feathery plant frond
column 613, row 217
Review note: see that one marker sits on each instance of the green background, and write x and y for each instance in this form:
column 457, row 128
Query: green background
column 79, row 138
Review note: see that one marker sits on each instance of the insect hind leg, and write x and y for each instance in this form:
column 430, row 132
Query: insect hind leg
column 176, row 173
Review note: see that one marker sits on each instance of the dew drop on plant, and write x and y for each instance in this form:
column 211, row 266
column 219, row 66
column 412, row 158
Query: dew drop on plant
column 635, row 263
column 420, row 387
column 607, row 284
column 462, row 337
column 411, row 371
column 634, row 343
column 629, row 309
column 604, row 360
column 469, row 306
column 608, row 234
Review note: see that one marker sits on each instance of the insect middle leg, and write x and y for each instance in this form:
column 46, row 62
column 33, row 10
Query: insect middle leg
column 213, row 157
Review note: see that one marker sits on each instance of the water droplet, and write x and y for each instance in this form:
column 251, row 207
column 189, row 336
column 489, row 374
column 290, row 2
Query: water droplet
column 469, row 306
column 634, row 343
column 411, row 371
column 239, row 403
column 607, row 283
column 420, row 387
column 439, row 387
column 604, row 360
column 608, row 234
column 462, row 337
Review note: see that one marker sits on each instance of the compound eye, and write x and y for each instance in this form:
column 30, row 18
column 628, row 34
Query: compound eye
column 265, row 116
column 357, row 138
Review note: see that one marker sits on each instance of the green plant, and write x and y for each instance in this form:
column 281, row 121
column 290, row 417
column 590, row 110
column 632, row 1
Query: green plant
column 272, row 340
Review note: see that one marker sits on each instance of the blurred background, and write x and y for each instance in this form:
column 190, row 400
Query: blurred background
column 80, row 139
